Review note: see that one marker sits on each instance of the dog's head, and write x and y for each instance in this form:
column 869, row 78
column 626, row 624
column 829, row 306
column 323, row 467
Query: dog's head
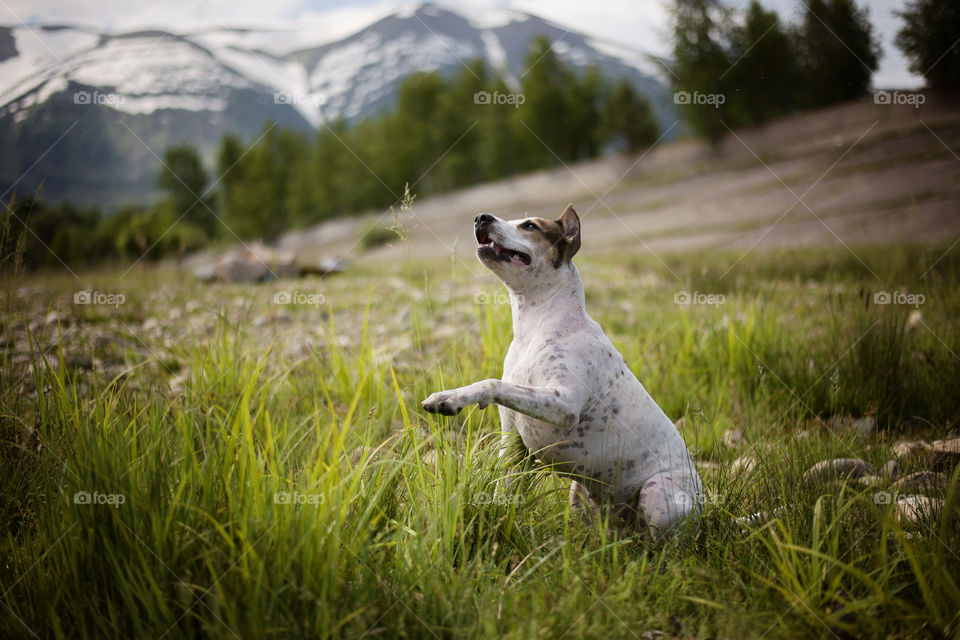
column 528, row 248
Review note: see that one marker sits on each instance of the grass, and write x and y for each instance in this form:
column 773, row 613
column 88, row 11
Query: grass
column 278, row 478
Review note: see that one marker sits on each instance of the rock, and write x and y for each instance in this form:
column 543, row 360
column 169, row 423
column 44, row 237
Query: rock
column 871, row 481
column 914, row 319
column 891, row 470
column 733, row 438
column 325, row 267
column 944, row 453
column 864, row 426
column 919, row 482
column 906, row 450
column 743, row 464
column 839, row 468
column 911, row 511
column 205, row 272
column 255, row 262
column 177, row 382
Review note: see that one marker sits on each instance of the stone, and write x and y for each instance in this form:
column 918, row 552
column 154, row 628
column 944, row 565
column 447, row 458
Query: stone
column 911, row 511
column 944, row 453
column 733, row 438
column 871, row 481
column 919, row 482
column 891, row 470
column 864, row 426
column 743, row 464
column 908, row 449
column 839, row 468
column 914, row 319
column 256, row 262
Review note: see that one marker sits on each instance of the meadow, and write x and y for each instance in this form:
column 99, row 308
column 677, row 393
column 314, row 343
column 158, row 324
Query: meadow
column 183, row 459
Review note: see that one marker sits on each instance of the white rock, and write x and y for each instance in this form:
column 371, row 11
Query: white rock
column 913, row 510
column 733, row 438
column 743, row 464
column 851, row 468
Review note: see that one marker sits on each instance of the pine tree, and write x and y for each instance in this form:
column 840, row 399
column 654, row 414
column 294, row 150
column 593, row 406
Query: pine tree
column 930, row 38
column 700, row 61
column 627, row 120
column 837, row 52
column 764, row 80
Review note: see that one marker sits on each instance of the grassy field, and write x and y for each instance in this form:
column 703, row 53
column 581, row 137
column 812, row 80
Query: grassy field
column 187, row 460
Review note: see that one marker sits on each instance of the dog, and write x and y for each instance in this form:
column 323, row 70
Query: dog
column 568, row 393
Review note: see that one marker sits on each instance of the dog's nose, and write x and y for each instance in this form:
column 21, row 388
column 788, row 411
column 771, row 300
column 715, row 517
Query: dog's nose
column 483, row 218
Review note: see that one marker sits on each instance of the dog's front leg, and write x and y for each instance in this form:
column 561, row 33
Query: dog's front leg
column 557, row 406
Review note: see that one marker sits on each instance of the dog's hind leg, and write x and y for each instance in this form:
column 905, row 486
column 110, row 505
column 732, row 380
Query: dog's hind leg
column 665, row 504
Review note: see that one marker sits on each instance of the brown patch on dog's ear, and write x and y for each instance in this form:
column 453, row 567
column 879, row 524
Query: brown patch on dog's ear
column 570, row 224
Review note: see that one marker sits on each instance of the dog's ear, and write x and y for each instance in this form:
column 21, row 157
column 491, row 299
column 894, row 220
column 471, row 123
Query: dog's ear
column 570, row 224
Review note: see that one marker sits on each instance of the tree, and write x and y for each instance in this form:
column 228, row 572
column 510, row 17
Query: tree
column 764, row 79
column 930, row 38
column 837, row 52
column 700, row 62
column 184, row 180
column 626, row 118
column 583, row 114
column 545, row 113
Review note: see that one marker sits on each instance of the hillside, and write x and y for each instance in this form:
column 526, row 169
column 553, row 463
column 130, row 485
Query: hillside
column 855, row 174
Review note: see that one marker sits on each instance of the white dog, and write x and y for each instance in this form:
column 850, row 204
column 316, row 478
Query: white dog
column 568, row 393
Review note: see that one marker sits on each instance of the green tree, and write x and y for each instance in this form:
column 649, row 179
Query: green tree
column 458, row 116
column 184, row 180
column 700, row 62
column 583, row 114
column 545, row 113
column 837, row 52
column 930, row 38
column 500, row 133
column 626, row 119
column 764, row 79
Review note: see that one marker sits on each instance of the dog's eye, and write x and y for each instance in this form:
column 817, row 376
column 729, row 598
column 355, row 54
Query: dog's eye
column 529, row 226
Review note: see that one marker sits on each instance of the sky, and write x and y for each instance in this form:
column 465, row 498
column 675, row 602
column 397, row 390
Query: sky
column 641, row 24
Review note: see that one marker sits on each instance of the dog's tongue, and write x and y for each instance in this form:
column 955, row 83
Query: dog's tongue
column 515, row 259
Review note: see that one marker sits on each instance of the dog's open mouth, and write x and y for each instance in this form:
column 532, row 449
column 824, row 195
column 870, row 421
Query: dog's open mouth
column 493, row 251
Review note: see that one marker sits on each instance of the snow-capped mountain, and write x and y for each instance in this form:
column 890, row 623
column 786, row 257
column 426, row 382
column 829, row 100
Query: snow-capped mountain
column 123, row 97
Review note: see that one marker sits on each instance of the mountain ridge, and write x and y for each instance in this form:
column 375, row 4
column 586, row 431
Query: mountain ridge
column 194, row 87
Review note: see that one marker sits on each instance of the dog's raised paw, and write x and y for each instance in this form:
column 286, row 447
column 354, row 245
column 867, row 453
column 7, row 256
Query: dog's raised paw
column 436, row 405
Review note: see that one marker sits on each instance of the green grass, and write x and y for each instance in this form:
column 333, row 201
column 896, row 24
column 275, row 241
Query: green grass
column 206, row 404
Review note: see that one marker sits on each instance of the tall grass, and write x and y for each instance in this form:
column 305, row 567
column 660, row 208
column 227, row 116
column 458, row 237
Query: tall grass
column 308, row 496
